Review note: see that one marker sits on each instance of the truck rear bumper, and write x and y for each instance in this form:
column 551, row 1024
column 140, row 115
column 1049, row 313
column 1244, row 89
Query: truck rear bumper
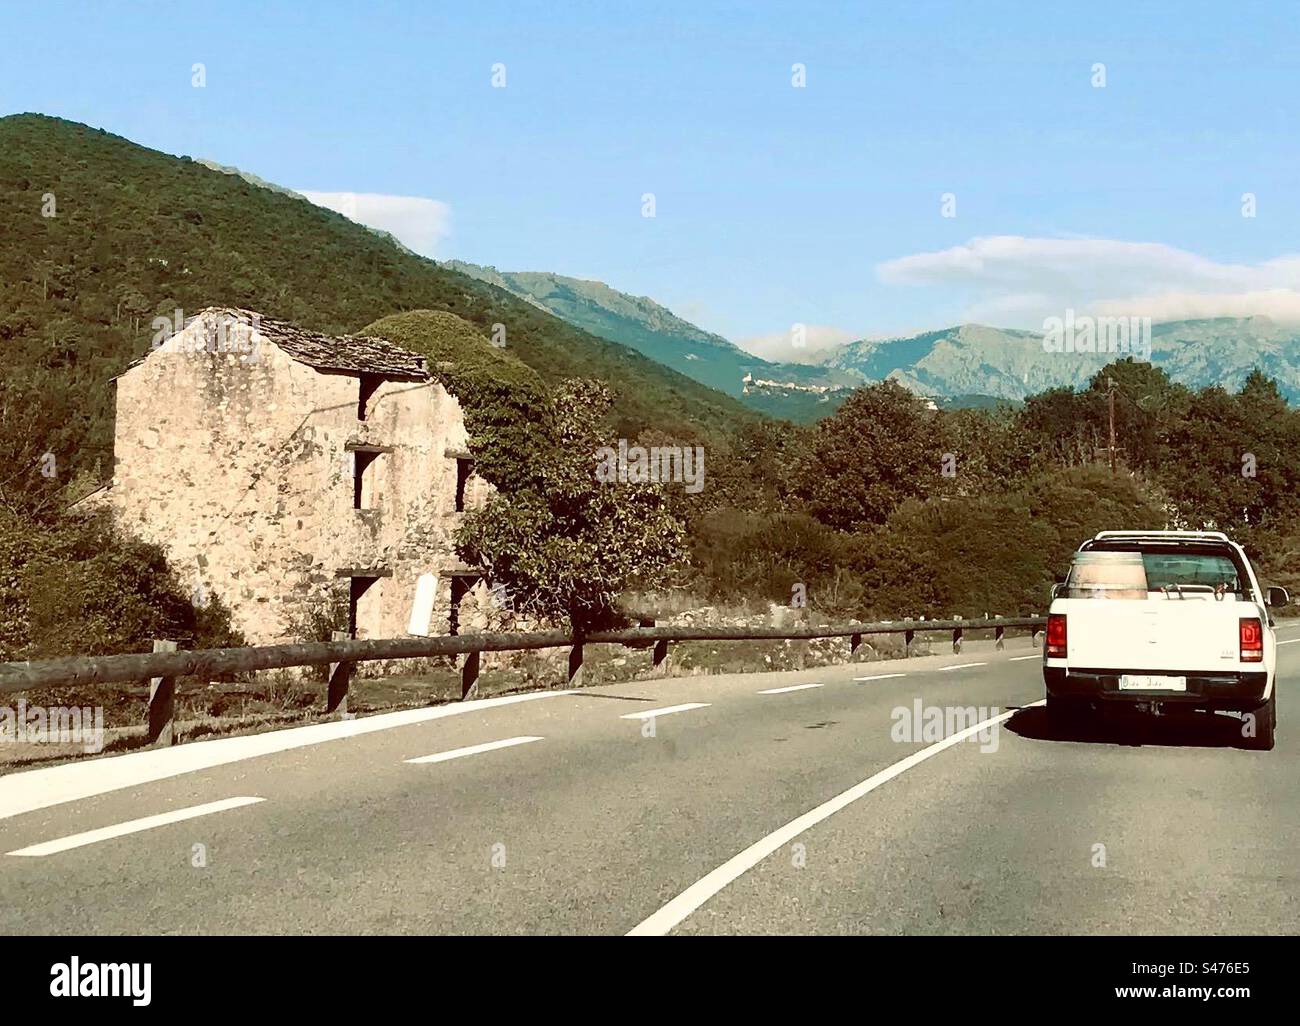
column 1236, row 691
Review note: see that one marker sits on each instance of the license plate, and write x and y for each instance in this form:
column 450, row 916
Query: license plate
column 1144, row 682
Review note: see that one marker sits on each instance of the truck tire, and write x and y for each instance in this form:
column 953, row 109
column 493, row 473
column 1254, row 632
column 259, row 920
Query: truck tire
column 1265, row 725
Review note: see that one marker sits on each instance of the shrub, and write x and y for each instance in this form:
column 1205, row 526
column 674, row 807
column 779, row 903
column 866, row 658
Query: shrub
column 82, row 587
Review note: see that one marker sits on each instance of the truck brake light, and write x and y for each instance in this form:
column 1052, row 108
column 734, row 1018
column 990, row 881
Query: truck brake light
column 1056, row 635
column 1252, row 640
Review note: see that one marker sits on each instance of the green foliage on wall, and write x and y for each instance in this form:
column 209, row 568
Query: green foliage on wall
column 505, row 402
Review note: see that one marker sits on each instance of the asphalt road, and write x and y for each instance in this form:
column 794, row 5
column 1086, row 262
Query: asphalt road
column 706, row 820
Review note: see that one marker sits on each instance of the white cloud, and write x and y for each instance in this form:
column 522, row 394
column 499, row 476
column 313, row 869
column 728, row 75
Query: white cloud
column 1017, row 280
column 1281, row 305
column 782, row 347
column 418, row 223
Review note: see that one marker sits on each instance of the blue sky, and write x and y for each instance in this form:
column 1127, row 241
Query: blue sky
column 775, row 205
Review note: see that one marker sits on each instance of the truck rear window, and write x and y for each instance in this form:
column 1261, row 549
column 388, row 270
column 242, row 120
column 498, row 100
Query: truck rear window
column 1178, row 569
column 1136, row 573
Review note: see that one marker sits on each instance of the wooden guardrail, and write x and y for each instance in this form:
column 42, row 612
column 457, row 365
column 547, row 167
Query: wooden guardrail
column 162, row 666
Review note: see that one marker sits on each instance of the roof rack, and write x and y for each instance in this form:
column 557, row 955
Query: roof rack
column 1206, row 535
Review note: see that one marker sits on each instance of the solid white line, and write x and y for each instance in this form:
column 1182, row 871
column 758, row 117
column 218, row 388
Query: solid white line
column 1291, row 642
column 880, row 676
column 702, row 890
column 490, row 746
column 792, row 687
column 664, row 711
column 133, row 826
column 41, row 788
column 1021, row 659
column 959, row 666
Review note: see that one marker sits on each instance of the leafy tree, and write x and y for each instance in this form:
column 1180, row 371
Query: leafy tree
column 565, row 544
column 1063, row 427
column 880, row 447
column 1146, row 403
column 988, row 449
column 996, row 553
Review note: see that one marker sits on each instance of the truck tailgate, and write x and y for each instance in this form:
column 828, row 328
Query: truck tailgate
column 1158, row 634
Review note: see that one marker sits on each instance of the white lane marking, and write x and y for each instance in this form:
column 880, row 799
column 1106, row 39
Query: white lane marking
column 959, row 666
column 133, row 826
column 490, row 746
column 702, row 890
column 1291, row 642
column 54, row 785
column 879, row 676
column 664, row 711
column 792, row 687
column 1021, row 659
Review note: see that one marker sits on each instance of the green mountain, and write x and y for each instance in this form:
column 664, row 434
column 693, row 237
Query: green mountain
column 975, row 360
column 102, row 235
column 800, row 392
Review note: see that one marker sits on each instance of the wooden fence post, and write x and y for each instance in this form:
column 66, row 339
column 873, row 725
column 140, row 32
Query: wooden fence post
column 855, row 642
column 162, row 703
column 907, row 642
column 469, row 676
column 956, row 641
column 660, row 658
column 575, row 664
column 336, row 698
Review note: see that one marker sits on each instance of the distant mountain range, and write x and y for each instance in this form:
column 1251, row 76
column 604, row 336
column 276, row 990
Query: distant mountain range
column 968, row 364
column 1010, row 364
column 801, row 392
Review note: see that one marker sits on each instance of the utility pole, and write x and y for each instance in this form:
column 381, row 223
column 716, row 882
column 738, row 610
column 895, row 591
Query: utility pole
column 1110, row 395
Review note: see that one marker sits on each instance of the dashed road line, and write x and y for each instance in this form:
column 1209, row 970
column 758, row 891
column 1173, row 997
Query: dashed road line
column 878, row 676
column 490, row 746
column 702, row 890
column 792, row 687
column 1021, row 659
column 959, row 666
column 133, row 826
column 651, row 713
column 54, row 785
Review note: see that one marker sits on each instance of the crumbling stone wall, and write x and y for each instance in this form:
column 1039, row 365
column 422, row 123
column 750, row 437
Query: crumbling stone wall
column 237, row 461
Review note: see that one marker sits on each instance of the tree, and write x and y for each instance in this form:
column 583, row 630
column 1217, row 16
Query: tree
column 880, row 447
column 1063, row 427
column 1146, row 402
column 565, row 544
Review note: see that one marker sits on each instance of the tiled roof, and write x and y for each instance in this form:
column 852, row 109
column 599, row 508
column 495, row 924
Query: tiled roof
column 353, row 354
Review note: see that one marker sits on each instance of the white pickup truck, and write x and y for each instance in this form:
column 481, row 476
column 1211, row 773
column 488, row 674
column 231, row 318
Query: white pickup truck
column 1165, row 621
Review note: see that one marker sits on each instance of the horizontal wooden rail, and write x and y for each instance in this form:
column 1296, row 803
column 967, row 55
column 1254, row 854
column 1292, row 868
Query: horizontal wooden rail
column 212, row 662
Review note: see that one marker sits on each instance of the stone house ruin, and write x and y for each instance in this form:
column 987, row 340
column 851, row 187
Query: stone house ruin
column 299, row 477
